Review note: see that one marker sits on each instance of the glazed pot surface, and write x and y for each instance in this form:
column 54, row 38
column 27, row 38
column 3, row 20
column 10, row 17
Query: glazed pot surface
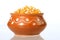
column 27, row 24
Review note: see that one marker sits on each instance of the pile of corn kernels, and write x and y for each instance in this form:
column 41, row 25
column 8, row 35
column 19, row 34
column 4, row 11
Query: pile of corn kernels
column 28, row 10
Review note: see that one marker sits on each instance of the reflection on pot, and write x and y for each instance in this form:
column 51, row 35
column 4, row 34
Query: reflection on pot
column 31, row 37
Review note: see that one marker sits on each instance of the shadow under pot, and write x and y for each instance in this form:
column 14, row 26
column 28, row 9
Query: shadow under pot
column 27, row 24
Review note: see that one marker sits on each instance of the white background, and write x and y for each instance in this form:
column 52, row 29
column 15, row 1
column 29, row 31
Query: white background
column 50, row 8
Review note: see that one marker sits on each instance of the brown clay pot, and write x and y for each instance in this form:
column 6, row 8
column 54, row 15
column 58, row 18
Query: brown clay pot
column 27, row 24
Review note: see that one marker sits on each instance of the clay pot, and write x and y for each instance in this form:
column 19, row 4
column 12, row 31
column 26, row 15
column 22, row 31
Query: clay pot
column 27, row 24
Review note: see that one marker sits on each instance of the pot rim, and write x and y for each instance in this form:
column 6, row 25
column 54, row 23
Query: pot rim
column 40, row 14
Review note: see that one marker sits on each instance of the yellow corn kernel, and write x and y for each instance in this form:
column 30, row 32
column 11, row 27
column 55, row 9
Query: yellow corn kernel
column 18, row 11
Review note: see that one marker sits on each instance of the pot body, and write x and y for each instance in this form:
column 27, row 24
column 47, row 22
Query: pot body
column 26, row 24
